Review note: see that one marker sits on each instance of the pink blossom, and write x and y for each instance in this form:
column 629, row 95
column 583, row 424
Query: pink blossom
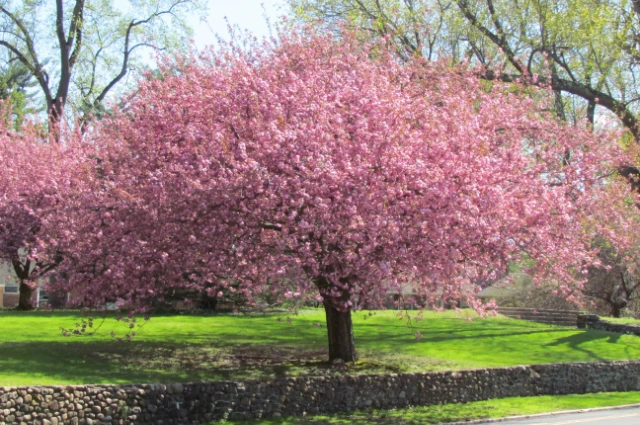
column 311, row 166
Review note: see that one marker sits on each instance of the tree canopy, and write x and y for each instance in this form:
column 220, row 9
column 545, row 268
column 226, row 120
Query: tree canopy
column 316, row 166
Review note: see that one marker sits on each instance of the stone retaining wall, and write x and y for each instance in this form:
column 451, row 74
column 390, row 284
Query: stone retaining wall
column 542, row 315
column 592, row 321
column 197, row 403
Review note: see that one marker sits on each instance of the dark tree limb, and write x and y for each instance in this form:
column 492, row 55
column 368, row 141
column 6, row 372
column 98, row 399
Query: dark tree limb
column 584, row 91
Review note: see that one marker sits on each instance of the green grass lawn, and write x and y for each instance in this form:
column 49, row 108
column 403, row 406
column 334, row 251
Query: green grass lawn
column 622, row 320
column 197, row 348
column 461, row 412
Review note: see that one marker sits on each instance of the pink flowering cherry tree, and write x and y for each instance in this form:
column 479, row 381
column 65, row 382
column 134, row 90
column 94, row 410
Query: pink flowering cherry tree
column 323, row 167
column 38, row 181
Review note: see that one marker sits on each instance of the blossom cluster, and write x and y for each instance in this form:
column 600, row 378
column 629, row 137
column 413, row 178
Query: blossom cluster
column 314, row 165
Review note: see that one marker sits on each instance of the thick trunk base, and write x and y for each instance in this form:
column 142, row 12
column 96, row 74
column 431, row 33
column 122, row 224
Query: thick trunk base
column 340, row 332
column 616, row 312
column 25, row 302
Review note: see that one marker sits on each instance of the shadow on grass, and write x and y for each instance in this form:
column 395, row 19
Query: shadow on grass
column 575, row 341
column 97, row 313
column 143, row 362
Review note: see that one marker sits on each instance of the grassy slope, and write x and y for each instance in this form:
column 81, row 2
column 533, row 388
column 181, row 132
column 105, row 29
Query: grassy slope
column 622, row 320
column 192, row 348
column 462, row 412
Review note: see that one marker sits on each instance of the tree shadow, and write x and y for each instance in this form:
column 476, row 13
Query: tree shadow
column 576, row 341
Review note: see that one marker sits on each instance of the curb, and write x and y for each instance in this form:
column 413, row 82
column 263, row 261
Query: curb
column 541, row 415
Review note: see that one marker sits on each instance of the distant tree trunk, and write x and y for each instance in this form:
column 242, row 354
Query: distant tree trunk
column 591, row 113
column 340, row 332
column 22, row 271
column 616, row 309
column 206, row 302
column 24, row 302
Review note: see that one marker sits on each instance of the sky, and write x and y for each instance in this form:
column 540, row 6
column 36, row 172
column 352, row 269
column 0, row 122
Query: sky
column 247, row 14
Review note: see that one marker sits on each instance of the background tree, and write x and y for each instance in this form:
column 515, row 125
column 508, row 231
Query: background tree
column 614, row 287
column 96, row 44
column 16, row 83
column 36, row 180
column 321, row 167
column 586, row 50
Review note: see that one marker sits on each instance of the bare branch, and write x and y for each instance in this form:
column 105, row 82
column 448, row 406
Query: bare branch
column 27, row 37
column 127, row 51
column 35, row 69
column 496, row 39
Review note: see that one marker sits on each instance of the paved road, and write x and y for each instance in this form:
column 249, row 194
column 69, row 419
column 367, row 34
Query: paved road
column 604, row 417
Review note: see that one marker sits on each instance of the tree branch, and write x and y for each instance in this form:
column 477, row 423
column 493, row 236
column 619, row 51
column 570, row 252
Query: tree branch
column 127, row 51
column 75, row 32
column 463, row 5
column 34, row 65
column 579, row 89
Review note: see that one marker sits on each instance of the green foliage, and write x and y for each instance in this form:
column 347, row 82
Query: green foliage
column 242, row 346
column 15, row 84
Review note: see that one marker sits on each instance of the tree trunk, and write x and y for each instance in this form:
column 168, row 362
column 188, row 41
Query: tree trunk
column 616, row 310
column 340, row 332
column 25, row 302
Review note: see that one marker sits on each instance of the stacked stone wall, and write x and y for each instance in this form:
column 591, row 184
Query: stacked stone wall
column 541, row 315
column 197, row 403
column 592, row 321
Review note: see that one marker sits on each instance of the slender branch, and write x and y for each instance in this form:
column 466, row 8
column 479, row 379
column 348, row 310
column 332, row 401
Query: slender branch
column 498, row 41
column 636, row 7
column 127, row 51
column 33, row 65
column 27, row 37
column 75, row 32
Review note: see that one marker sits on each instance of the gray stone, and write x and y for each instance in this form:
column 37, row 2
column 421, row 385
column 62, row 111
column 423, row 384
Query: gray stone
column 175, row 389
column 121, row 405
